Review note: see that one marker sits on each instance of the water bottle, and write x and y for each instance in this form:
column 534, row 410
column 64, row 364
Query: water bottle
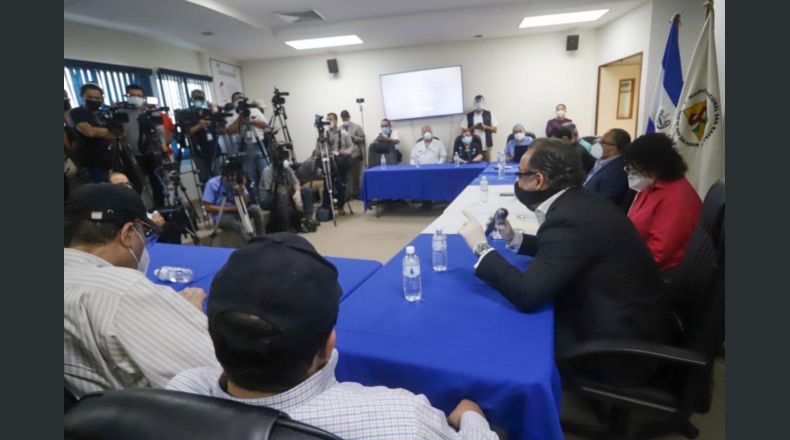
column 412, row 283
column 500, row 159
column 484, row 190
column 439, row 250
column 383, row 162
column 456, row 160
column 417, row 161
column 174, row 274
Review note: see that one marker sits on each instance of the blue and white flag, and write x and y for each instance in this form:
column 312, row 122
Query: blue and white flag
column 669, row 84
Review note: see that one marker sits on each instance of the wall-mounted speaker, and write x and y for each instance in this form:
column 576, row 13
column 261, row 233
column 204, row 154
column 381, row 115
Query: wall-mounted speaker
column 572, row 42
column 332, row 65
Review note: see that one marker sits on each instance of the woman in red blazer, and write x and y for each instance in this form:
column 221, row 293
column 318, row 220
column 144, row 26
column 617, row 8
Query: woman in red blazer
column 666, row 208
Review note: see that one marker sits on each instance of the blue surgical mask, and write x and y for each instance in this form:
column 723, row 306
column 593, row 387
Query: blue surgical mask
column 587, row 146
column 198, row 103
column 467, row 140
column 386, row 130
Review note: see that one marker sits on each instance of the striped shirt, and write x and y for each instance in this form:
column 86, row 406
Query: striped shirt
column 347, row 409
column 120, row 330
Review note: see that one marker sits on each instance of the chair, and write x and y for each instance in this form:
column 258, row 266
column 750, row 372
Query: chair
column 684, row 384
column 712, row 214
column 152, row 414
column 69, row 400
column 378, row 149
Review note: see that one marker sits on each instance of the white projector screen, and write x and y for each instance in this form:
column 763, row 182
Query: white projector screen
column 423, row 93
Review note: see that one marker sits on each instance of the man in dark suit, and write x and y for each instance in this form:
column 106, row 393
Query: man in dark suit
column 608, row 177
column 588, row 259
column 569, row 135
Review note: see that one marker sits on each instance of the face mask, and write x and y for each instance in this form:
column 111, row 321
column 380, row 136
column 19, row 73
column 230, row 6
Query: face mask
column 479, row 106
column 136, row 101
column 286, row 164
column 92, row 105
column 519, row 136
column 198, row 103
column 560, row 114
column 145, row 259
column 596, row 150
column 585, row 144
column 386, row 130
column 638, row 182
column 333, row 125
column 66, row 105
column 533, row 199
column 346, row 124
column 427, row 135
column 467, row 140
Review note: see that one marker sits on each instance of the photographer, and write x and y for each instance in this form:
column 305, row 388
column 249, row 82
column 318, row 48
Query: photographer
column 254, row 162
column 203, row 137
column 93, row 140
column 280, row 180
column 222, row 186
column 145, row 137
column 342, row 148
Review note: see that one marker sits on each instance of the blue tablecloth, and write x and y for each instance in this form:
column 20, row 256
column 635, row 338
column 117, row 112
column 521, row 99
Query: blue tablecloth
column 428, row 182
column 462, row 340
column 206, row 261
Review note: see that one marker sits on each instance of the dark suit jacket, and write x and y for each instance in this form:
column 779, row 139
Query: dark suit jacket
column 611, row 181
column 587, row 159
column 590, row 260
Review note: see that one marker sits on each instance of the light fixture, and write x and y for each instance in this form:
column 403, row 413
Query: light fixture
column 207, row 33
column 316, row 43
column 555, row 19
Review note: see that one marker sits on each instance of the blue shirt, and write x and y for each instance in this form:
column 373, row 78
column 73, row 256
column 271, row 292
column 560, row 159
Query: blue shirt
column 214, row 192
column 510, row 147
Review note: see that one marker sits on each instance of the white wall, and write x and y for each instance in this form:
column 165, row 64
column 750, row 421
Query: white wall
column 522, row 78
column 90, row 43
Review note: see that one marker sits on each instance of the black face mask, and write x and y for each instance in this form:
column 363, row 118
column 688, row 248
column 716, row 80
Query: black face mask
column 66, row 105
column 533, row 199
column 92, row 105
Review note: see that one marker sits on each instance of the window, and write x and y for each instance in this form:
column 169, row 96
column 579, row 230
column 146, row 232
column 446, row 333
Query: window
column 112, row 78
column 175, row 87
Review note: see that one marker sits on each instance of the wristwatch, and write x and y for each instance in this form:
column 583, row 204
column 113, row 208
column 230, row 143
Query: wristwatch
column 481, row 247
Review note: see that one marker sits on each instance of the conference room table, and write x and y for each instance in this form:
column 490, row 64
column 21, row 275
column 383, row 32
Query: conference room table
column 434, row 182
column 461, row 340
column 206, row 261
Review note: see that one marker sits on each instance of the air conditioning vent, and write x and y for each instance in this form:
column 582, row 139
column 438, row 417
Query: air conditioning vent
column 300, row 16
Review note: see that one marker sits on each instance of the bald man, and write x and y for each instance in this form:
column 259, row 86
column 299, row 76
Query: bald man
column 429, row 149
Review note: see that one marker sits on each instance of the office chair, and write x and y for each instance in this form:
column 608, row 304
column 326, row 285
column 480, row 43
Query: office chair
column 153, row 414
column 683, row 386
column 69, row 400
column 712, row 214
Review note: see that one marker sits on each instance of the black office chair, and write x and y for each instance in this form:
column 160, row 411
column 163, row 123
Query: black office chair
column 69, row 400
column 151, row 414
column 684, row 384
column 713, row 211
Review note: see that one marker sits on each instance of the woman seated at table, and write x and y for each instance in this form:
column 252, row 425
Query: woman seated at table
column 517, row 143
column 468, row 147
column 666, row 208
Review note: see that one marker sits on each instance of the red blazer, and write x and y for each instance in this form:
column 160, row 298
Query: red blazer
column 665, row 215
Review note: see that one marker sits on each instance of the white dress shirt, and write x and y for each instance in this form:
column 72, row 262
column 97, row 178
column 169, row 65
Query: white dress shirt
column 432, row 152
column 120, row 330
column 347, row 409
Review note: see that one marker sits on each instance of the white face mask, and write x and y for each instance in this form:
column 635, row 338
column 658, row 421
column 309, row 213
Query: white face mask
column 286, row 164
column 136, row 101
column 427, row 135
column 596, row 150
column 560, row 114
column 145, row 259
column 638, row 182
column 519, row 136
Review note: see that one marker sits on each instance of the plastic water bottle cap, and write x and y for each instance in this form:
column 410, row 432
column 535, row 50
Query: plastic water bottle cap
column 409, row 250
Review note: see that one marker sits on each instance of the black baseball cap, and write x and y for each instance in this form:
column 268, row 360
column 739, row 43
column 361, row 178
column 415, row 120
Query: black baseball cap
column 282, row 279
column 105, row 202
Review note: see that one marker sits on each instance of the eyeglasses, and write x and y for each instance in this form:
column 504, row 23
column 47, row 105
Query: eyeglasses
column 150, row 235
column 526, row 174
column 603, row 142
column 630, row 170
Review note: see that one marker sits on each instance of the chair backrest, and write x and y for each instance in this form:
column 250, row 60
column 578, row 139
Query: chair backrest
column 161, row 414
column 378, row 149
column 69, row 400
column 712, row 214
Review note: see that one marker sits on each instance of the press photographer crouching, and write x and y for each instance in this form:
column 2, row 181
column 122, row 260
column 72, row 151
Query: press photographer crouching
column 171, row 222
column 219, row 200
column 93, row 150
column 203, row 123
column 290, row 204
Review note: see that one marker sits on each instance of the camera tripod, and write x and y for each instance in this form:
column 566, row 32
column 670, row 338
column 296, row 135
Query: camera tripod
column 330, row 170
column 185, row 140
column 241, row 208
column 124, row 161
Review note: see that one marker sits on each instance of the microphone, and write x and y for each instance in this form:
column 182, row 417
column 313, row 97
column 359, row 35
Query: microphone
column 499, row 216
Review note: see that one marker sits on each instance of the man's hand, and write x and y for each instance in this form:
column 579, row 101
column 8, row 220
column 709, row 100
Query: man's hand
column 158, row 219
column 298, row 201
column 454, row 419
column 479, row 126
column 506, row 231
column 195, row 295
column 472, row 231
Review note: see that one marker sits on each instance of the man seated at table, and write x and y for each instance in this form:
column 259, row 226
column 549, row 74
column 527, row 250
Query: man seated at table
column 120, row 330
column 468, row 147
column 429, row 149
column 272, row 312
column 587, row 258
column 220, row 189
column 608, row 177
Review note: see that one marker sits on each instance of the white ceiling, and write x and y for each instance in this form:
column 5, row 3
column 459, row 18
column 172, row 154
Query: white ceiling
column 251, row 30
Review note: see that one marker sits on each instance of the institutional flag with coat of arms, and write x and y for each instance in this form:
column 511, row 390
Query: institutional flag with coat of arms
column 698, row 127
column 669, row 85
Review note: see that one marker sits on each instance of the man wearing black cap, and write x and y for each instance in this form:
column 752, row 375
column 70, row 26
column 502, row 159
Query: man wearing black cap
column 272, row 312
column 120, row 330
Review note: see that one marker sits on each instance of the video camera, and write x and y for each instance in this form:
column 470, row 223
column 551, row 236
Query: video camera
column 278, row 99
column 114, row 117
column 189, row 117
column 151, row 117
column 319, row 121
column 233, row 170
column 243, row 107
